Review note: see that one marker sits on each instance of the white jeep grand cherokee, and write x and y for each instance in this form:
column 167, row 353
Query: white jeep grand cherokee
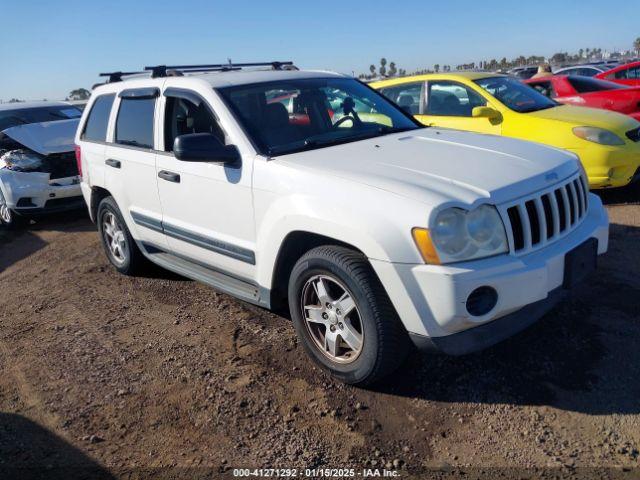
column 312, row 191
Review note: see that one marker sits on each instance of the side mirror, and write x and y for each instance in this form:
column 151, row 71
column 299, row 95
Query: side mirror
column 485, row 112
column 204, row 147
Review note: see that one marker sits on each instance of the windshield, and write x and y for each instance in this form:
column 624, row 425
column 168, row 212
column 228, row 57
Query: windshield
column 515, row 94
column 18, row 116
column 293, row 115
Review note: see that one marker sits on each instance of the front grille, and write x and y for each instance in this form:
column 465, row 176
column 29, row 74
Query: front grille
column 535, row 221
column 61, row 165
column 634, row 135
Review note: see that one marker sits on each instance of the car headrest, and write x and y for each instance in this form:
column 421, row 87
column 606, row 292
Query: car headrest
column 276, row 115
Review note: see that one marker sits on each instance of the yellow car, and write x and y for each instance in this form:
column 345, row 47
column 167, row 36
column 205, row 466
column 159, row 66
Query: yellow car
column 607, row 143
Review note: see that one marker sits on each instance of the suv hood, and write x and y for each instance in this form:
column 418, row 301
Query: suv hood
column 45, row 138
column 590, row 117
column 439, row 165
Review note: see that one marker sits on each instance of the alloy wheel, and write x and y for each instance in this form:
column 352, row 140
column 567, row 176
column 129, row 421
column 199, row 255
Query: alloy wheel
column 114, row 238
column 5, row 213
column 332, row 318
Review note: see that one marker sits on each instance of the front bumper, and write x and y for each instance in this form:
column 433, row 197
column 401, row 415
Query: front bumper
column 489, row 334
column 610, row 167
column 431, row 300
column 33, row 193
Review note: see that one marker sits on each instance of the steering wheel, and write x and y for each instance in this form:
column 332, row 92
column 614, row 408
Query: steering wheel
column 344, row 119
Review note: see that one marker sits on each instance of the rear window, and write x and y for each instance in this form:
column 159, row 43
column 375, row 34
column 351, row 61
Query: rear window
column 134, row 126
column 96, row 127
column 588, row 84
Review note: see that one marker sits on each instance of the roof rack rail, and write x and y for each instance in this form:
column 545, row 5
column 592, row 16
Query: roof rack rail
column 117, row 76
column 165, row 70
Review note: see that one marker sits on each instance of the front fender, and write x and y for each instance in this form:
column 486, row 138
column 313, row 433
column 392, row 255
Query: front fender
column 381, row 230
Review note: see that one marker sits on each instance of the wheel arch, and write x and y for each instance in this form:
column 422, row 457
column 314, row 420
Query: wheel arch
column 97, row 195
column 295, row 245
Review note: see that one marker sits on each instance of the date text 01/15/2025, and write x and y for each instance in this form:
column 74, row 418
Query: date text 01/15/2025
column 315, row 472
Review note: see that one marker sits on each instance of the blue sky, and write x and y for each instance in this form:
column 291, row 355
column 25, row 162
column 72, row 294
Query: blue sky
column 50, row 47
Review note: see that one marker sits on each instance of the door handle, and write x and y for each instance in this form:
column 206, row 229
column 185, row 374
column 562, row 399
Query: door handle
column 113, row 163
column 169, row 176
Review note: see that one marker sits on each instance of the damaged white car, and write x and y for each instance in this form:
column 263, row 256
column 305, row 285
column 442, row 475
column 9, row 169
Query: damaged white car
column 38, row 169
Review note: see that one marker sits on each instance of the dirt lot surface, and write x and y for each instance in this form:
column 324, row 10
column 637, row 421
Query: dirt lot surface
column 106, row 376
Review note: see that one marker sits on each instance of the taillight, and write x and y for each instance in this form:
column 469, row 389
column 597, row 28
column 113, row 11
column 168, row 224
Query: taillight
column 79, row 159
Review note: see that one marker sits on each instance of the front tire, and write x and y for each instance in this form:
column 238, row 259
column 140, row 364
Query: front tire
column 343, row 316
column 119, row 246
column 8, row 218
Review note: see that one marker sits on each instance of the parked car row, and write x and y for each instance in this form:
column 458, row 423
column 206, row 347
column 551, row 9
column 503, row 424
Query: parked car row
column 626, row 73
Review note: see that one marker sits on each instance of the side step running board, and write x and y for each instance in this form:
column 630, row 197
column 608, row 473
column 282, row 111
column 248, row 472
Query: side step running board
column 219, row 280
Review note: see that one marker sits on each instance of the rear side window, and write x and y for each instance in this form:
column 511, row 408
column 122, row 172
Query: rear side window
column 134, row 126
column 96, row 127
column 588, row 84
column 407, row 96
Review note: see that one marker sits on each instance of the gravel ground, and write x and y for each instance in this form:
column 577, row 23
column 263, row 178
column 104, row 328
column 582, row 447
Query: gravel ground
column 106, row 376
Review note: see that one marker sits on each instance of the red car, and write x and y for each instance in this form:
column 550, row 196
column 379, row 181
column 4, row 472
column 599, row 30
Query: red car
column 628, row 74
column 590, row 92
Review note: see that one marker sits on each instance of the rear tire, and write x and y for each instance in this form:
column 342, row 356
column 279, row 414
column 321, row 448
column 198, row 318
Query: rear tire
column 343, row 316
column 119, row 246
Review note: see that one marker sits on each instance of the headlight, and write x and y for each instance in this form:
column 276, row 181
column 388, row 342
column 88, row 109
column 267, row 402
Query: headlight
column 457, row 235
column 22, row 160
column 598, row 135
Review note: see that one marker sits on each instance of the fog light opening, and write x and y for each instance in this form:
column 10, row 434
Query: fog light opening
column 481, row 301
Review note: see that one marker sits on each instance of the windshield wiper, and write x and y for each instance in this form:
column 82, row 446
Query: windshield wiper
column 374, row 132
column 317, row 141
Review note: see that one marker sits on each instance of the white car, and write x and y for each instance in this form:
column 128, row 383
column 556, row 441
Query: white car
column 588, row 70
column 38, row 168
column 375, row 233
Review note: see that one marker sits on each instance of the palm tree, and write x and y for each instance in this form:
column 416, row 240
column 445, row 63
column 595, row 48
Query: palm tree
column 392, row 69
column 383, row 66
column 636, row 45
column 436, row 67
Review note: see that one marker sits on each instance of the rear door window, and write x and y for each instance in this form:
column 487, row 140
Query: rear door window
column 134, row 126
column 407, row 96
column 96, row 127
column 629, row 73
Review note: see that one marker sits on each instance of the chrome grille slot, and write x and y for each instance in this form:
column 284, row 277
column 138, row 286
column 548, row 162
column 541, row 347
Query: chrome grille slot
column 542, row 218
column 573, row 204
column 549, row 216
